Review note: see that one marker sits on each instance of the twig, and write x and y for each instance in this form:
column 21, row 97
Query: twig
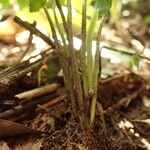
column 115, row 77
column 125, row 52
column 124, row 101
column 36, row 65
column 16, row 68
column 29, row 45
column 20, row 109
column 34, row 30
column 55, row 100
column 29, row 95
column 10, row 79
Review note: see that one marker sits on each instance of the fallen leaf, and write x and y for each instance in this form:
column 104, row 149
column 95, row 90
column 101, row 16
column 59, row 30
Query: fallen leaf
column 4, row 146
column 8, row 128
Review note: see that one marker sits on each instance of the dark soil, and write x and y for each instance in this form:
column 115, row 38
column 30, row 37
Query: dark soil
column 122, row 96
column 121, row 138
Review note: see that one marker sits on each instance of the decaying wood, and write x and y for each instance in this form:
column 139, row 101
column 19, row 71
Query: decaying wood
column 55, row 100
column 75, row 95
column 124, row 101
column 64, row 62
column 9, row 78
column 29, row 95
column 20, row 109
column 52, row 102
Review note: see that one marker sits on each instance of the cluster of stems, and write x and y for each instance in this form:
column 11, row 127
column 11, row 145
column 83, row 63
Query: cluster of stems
column 78, row 83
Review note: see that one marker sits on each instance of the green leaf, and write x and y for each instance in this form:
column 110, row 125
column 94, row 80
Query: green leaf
column 4, row 3
column 62, row 2
column 135, row 59
column 23, row 3
column 35, row 5
column 49, row 3
column 103, row 6
column 53, row 69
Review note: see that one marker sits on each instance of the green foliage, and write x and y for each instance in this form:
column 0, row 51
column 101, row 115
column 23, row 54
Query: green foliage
column 135, row 60
column 35, row 5
column 147, row 18
column 89, row 50
column 96, row 71
column 48, row 71
column 103, row 6
column 4, row 3
column 73, row 80
column 23, row 3
column 53, row 69
column 62, row 2
column 93, row 68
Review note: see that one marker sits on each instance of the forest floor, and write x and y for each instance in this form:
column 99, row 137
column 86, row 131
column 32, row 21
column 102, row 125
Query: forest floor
column 38, row 119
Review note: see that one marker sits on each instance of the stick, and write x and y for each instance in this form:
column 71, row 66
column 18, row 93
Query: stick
column 29, row 45
column 124, row 101
column 34, row 30
column 125, row 52
column 20, row 109
column 29, row 95
column 9, row 79
column 55, row 100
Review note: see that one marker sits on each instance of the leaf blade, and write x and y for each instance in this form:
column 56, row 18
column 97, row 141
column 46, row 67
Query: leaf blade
column 35, row 5
column 103, row 6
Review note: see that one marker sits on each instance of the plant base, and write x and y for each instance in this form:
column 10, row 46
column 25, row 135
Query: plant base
column 71, row 137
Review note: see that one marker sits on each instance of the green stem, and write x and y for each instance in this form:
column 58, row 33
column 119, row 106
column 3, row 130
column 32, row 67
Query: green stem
column 64, row 64
column 59, row 28
column 89, row 50
column 115, row 12
column 54, row 35
column 96, row 73
column 62, row 15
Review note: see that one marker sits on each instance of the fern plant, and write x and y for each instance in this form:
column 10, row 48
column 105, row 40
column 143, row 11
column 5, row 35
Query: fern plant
column 79, row 85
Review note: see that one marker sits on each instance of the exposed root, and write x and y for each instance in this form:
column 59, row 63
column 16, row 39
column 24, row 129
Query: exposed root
column 72, row 138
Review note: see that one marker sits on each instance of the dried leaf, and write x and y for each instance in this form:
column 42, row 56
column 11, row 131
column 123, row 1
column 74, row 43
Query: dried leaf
column 4, row 146
column 8, row 128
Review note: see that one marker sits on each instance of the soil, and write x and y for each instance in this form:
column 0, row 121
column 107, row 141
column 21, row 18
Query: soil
column 123, row 133
column 124, row 95
column 125, row 137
